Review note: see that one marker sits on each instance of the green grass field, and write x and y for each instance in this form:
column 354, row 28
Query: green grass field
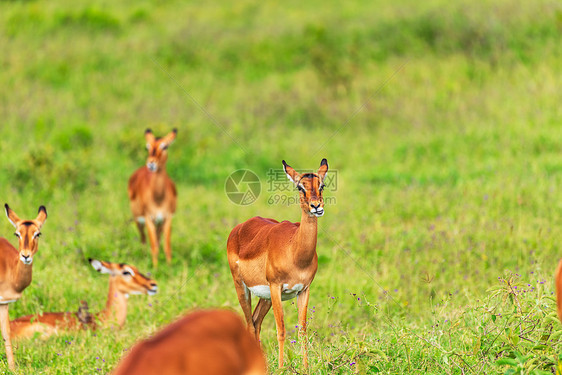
column 440, row 119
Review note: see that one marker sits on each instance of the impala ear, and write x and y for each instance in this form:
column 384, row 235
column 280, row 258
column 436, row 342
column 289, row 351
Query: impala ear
column 41, row 216
column 149, row 137
column 99, row 266
column 323, row 169
column 168, row 139
column 14, row 219
column 293, row 175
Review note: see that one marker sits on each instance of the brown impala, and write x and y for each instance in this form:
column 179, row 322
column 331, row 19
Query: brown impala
column 213, row 342
column 277, row 261
column 152, row 195
column 559, row 289
column 124, row 279
column 15, row 268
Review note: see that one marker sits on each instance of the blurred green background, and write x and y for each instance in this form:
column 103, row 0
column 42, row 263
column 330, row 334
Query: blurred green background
column 442, row 120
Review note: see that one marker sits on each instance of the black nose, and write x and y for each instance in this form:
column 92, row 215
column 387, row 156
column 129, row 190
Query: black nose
column 313, row 206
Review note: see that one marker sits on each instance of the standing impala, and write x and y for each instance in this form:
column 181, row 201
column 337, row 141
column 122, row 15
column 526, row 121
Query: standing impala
column 277, row 261
column 16, row 267
column 152, row 195
column 124, row 279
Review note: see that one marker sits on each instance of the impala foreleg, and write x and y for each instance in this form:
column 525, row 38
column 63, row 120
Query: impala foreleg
column 279, row 318
column 151, row 229
column 5, row 326
column 302, row 303
column 167, row 238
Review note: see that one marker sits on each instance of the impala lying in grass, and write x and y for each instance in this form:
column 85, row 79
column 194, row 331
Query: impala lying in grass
column 124, row 280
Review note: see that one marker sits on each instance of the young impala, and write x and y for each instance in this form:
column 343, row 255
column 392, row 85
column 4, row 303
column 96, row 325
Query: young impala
column 152, row 195
column 124, row 279
column 213, row 342
column 16, row 267
column 277, row 261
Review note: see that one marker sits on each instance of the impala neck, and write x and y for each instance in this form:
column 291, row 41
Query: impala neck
column 159, row 181
column 306, row 239
column 115, row 310
column 22, row 276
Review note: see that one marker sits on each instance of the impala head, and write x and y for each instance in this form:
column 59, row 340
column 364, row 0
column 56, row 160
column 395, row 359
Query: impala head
column 27, row 232
column 157, row 149
column 310, row 187
column 128, row 279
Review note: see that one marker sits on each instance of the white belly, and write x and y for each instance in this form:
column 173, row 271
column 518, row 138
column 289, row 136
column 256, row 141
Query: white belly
column 263, row 291
column 6, row 301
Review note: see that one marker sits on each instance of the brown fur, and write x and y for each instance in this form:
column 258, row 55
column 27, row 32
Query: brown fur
column 152, row 194
column 213, row 342
column 115, row 311
column 558, row 282
column 265, row 252
column 15, row 275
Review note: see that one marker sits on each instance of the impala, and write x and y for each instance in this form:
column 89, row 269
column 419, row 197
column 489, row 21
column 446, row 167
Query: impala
column 212, row 342
column 152, row 195
column 16, row 267
column 124, row 279
column 559, row 289
column 277, row 261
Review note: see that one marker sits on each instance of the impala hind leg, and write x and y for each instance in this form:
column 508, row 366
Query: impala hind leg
column 243, row 294
column 151, row 229
column 167, row 225
column 302, row 303
column 279, row 318
column 140, row 227
column 261, row 310
column 5, row 327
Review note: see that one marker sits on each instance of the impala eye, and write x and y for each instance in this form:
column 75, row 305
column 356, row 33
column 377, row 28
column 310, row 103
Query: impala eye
column 38, row 235
column 17, row 235
column 126, row 273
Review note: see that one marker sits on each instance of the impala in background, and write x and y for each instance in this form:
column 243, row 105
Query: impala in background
column 152, row 195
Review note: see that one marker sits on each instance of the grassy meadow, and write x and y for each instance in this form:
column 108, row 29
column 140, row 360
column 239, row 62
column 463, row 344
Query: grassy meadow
column 441, row 120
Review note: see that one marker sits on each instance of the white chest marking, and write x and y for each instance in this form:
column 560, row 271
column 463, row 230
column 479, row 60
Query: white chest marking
column 141, row 220
column 263, row 291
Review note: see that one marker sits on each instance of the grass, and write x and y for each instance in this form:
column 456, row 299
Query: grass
column 441, row 120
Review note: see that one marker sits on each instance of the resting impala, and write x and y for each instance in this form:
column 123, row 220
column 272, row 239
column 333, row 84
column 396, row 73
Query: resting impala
column 277, row 261
column 213, row 342
column 124, row 280
column 152, row 195
column 16, row 267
